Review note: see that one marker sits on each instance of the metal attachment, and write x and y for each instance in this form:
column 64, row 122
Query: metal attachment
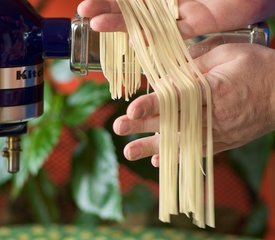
column 12, row 153
column 84, row 47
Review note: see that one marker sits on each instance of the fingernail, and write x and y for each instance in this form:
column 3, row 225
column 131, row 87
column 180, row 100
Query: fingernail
column 155, row 161
column 138, row 113
column 93, row 24
column 133, row 153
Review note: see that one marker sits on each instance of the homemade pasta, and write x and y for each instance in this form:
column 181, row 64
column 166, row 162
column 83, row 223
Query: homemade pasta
column 157, row 46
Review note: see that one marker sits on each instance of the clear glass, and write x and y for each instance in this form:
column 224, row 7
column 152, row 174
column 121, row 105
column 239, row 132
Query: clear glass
column 84, row 47
column 85, row 43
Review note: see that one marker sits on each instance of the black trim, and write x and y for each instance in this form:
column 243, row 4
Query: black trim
column 21, row 96
column 13, row 129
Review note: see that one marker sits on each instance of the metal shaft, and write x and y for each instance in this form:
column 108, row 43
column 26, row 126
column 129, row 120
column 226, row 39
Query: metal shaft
column 12, row 153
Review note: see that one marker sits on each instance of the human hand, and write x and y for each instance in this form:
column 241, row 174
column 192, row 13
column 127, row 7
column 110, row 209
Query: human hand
column 241, row 77
column 195, row 17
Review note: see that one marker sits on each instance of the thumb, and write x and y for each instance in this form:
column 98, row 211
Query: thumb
column 219, row 55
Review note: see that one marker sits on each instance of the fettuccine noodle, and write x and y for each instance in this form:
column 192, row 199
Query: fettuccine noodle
column 164, row 58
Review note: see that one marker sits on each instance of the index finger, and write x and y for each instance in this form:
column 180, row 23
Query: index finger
column 144, row 106
column 148, row 106
column 105, row 15
column 92, row 8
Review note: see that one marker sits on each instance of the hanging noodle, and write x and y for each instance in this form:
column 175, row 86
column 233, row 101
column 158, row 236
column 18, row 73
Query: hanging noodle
column 169, row 68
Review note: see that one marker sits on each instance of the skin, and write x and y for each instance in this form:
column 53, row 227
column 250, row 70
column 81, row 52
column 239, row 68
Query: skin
column 241, row 76
column 242, row 94
column 196, row 17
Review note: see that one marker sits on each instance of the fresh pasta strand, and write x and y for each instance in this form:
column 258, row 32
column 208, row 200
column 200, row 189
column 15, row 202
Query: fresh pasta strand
column 169, row 68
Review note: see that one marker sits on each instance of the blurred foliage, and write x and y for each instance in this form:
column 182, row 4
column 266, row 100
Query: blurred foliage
column 95, row 180
column 250, row 161
column 135, row 202
column 271, row 24
column 256, row 224
column 72, row 111
column 93, row 193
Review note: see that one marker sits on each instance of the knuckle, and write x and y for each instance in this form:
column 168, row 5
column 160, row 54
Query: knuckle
column 220, row 84
column 142, row 126
column 224, row 115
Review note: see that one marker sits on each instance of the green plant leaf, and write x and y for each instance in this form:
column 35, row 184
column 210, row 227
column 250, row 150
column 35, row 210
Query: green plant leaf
column 36, row 146
column 95, row 183
column 19, row 181
column 49, row 193
column 250, row 160
column 84, row 218
column 38, row 203
column 48, row 97
column 85, row 101
column 271, row 24
column 135, row 202
column 256, row 223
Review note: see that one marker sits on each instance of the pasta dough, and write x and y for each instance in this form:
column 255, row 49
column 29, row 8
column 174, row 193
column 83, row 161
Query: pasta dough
column 158, row 50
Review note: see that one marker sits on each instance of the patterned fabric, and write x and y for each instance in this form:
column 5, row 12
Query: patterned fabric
column 69, row 232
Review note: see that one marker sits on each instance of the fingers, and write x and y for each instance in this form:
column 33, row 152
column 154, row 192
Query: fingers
column 105, row 15
column 204, row 17
column 125, row 126
column 144, row 106
column 92, row 8
column 218, row 147
column 149, row 146
column 148, row 105
column 142, row 148
column 108, row 23
column 219, row 55
column 196, row 19
column 155, row 160
column 134, row 122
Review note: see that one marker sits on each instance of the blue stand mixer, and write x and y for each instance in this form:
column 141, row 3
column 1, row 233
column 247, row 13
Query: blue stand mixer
column 26, row 39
